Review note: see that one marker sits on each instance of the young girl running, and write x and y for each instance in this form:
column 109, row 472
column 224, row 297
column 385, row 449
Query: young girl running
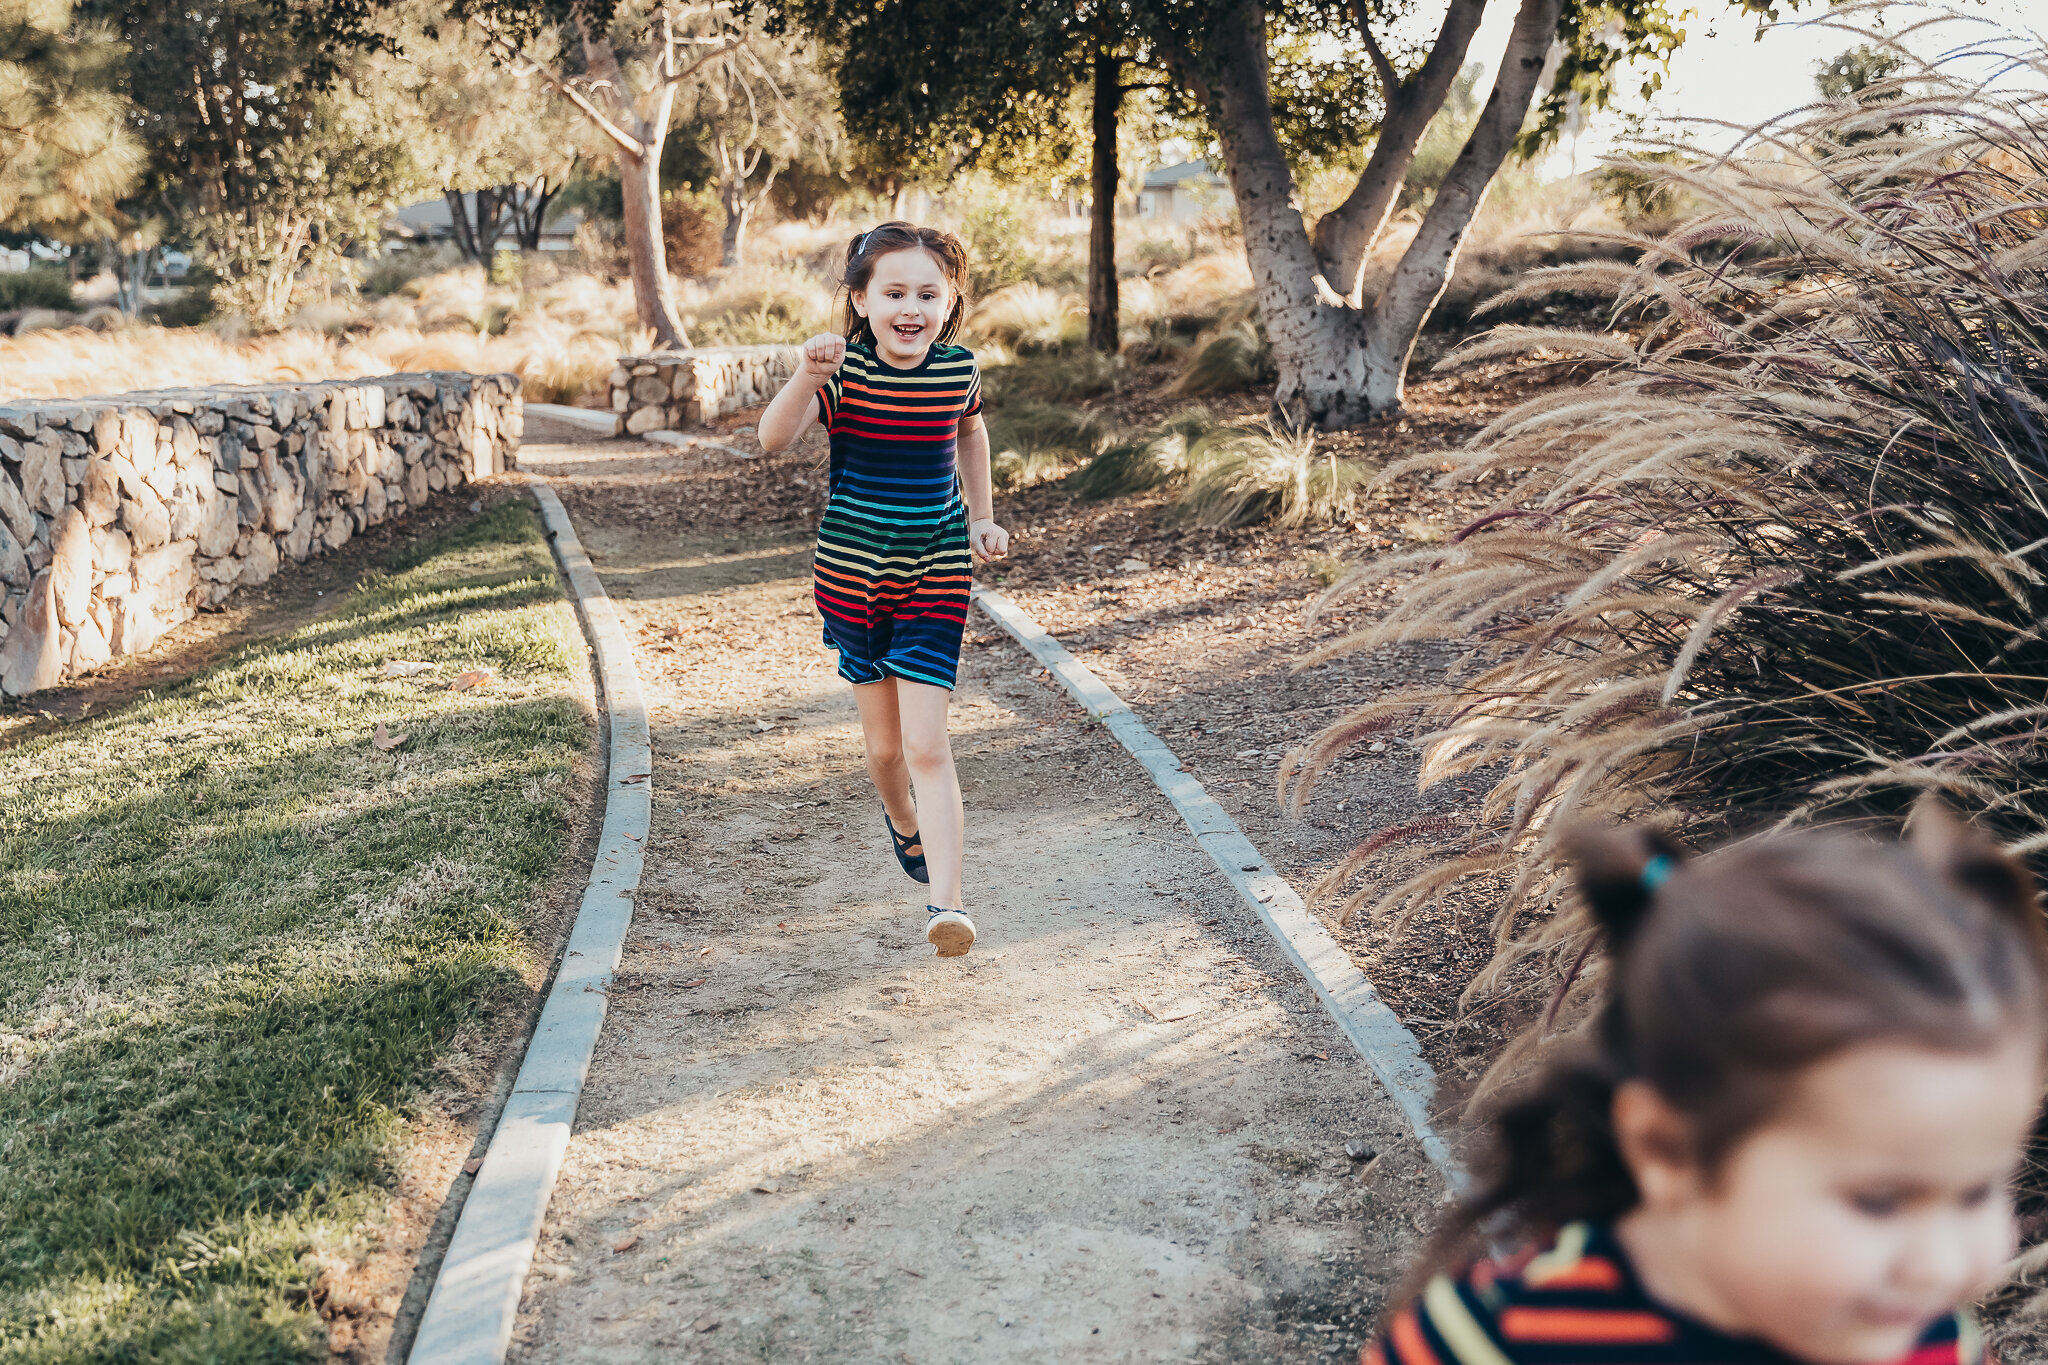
column 902, row 406
column 1790, row 1132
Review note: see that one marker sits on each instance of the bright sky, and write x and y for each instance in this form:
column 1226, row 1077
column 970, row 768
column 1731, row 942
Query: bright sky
column 1725, row 72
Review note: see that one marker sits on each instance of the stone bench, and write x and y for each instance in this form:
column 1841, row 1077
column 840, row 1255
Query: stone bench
column 122, row 516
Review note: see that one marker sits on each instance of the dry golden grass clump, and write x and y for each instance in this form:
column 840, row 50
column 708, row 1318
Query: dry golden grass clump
column 75, row 362
column 1241, row 476
column 1783, row 562
column 561, row 340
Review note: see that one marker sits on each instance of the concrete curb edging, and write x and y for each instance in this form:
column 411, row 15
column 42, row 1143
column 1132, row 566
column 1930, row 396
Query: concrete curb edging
column 590, row 419
column 469, row 1316
column 1373, row 1028
column 608, row 424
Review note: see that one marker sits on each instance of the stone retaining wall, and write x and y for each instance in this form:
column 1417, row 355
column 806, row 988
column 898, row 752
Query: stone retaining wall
column 122, row 516
column 677, row 389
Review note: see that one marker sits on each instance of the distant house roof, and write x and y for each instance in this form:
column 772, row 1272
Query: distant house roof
column 1170, row 177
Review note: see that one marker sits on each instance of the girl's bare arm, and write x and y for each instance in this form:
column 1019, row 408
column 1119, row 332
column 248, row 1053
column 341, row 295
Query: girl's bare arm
column 793, row 410
column 989, row 541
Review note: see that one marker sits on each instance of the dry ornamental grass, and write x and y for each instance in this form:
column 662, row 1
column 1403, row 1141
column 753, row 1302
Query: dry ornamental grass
column 1781, row 562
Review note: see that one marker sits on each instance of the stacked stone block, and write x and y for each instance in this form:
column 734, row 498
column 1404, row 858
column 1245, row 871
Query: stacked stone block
column 121, row 517
column 677, row 389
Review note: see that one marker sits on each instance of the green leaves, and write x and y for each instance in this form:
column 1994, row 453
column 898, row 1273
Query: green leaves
column 65, row 151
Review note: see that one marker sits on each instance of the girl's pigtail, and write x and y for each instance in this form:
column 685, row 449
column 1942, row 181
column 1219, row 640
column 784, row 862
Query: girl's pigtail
column 1620, row 872
column 856, row 327
column 951, row 329
column 1558, row 1160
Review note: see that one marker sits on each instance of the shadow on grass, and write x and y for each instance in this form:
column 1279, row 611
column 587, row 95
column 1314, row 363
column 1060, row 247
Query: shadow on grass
column 236, row 937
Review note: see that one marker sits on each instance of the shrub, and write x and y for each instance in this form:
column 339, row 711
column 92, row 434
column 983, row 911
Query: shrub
column 601, row 248
column 1032, row 441
column 1783, row 562
column 1239, row 476
column 1206, row 289
column 1057, row 378
column 689, row 237
column 189, row 307
column 35, row 288
column 1014, row 469
column 1001, row 243
column 756, row 304
column 397, row 269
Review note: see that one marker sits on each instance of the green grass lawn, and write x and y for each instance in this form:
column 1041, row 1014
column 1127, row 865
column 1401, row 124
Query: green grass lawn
column 235, row 938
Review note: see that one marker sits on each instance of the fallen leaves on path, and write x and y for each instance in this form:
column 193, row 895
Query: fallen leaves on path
column 385, row 740
column 472, row 679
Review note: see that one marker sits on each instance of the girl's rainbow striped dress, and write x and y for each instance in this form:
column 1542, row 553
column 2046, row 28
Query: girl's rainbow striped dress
column 893, row 569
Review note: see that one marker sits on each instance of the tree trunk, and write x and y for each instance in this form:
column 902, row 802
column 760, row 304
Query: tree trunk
column 732, row 238
column 640, row 186
column 640, row 189
column 1102, row 174
column 1425, row 269
column 1344, row 237
column 458, row 224
column 138, row 279
column 1339, row 366
column 1317, row 348
column 529, row 206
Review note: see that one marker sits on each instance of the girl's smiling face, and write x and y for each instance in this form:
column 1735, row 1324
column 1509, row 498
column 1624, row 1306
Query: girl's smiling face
column 1874, row 1201
column 905, row 303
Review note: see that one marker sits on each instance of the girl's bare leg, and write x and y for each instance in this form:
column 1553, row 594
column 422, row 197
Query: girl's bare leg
column 882, row 730
column 920, row 709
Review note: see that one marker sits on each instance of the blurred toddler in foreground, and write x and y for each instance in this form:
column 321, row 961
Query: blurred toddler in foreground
column 1790, row 1133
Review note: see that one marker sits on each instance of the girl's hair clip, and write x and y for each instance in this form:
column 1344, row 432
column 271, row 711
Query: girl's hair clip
column 857, row 242
column 1658, row 871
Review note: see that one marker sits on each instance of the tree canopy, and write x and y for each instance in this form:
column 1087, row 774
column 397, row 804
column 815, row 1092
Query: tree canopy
column 1281, row 85
column 65, row 150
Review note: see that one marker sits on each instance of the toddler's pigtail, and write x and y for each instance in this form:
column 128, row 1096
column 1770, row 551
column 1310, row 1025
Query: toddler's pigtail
column 1554, row 1160
column 1619, row 873
column 1955, row 850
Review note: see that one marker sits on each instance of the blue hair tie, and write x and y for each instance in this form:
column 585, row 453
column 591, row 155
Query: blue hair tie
column 1658, row 871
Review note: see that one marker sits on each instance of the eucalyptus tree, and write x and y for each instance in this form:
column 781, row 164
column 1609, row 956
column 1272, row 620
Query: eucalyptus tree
column 498, row 143
column 934, row 86
column 764, row 108
column 1342, row 358
column 622, row 65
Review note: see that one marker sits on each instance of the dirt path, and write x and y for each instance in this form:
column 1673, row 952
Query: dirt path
column 1114, row 1132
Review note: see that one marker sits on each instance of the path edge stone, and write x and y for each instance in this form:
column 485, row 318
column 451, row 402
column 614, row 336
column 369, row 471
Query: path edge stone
column 589, row 419
column 470, row 1314
column 1367, row 1021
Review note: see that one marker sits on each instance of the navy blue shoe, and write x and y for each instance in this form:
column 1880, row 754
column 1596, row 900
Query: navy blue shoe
column 913, row 863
